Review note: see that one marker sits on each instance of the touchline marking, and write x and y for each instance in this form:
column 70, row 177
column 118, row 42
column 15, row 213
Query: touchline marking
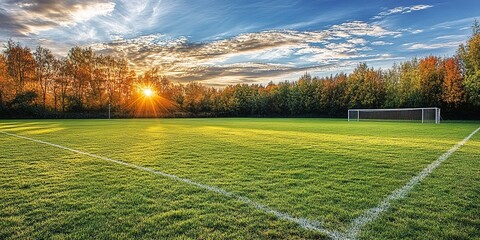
column 303, row 222
column 372, row 214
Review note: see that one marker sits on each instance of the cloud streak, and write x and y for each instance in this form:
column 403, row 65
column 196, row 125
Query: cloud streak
column 421, row 46
column 401, row 10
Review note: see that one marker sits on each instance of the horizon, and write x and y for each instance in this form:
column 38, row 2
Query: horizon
column 215, row 44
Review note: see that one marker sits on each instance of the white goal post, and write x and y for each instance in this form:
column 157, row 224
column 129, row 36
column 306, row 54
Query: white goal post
column 423, row 115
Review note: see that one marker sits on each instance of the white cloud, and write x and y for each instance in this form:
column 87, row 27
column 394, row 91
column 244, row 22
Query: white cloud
column 421, row 46
column 358, row 41
column 359, row 28
column 81, row 13
column 382, row 57
column 401, row 10
column 380, row 43
column 412, row 31
column 451, row 37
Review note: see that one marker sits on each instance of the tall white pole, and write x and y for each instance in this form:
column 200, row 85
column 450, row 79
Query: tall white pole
column 349, row 115
column 422, row 115
column 358, row 115
column 109, row 111
column 437, row 116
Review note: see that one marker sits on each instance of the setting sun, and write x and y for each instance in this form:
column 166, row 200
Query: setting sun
column 147, row 92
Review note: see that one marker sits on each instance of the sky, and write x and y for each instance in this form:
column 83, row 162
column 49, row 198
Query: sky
column 226, row 42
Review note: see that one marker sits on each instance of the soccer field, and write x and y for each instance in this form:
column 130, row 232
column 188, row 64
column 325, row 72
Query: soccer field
column 238, row 179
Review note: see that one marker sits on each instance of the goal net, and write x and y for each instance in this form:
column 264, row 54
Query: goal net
column 423, row 115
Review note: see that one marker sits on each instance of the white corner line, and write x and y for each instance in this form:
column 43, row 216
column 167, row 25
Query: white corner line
column 372, row 214
column 302, row 222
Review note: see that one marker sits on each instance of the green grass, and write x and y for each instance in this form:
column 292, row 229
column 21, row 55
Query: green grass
column 329, row 171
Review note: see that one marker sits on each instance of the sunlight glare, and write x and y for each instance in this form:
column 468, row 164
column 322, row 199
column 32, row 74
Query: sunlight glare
column 147, row 92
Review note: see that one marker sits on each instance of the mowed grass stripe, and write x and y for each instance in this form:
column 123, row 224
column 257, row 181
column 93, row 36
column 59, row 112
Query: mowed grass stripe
column 304, row 223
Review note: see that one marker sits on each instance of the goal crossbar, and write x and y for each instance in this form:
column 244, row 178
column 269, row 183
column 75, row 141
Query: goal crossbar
column 427, row 114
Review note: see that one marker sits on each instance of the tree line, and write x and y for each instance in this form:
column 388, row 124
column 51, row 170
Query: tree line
column 82, row 84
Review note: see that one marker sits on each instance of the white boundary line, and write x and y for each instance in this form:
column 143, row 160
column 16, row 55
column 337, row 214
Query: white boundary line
column 372, row 214
column 303, row 222
column 356, row 225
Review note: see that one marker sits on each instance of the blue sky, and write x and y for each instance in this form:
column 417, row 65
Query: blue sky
column 228, row 42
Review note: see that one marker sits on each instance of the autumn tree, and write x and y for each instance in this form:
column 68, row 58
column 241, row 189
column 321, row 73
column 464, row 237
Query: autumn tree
column 452, row 87
column 20, row 65
column 431, row 80
column 226, row 102
column 62, row 83
column 6, row 90
column 333, row 94
column 194, row 97
column 111, row 75
column 469, row 54
column 80, row 64
column 44, row 69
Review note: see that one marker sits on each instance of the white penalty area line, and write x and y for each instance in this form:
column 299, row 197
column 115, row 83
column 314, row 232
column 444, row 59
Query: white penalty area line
column 302, row 222
column 372, row 214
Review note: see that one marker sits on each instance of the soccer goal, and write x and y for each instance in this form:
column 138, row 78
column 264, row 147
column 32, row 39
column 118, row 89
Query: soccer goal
column 423, row 115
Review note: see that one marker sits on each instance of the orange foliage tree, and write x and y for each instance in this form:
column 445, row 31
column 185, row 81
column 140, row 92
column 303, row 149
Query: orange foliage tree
column 452, row 87
column 431, row 80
